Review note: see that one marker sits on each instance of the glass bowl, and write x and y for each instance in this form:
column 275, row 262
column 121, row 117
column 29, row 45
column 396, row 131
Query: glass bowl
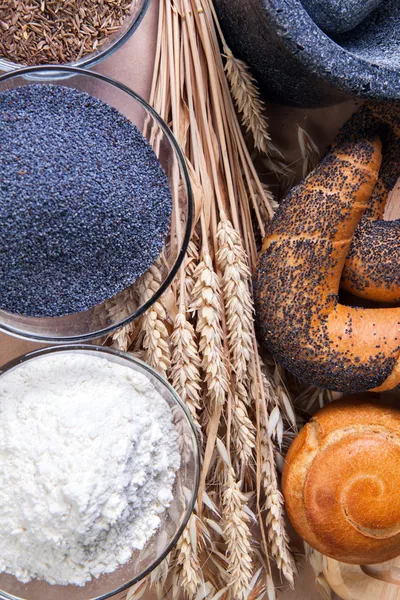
column 111, row 44
column 135, row 300
column 173, row 520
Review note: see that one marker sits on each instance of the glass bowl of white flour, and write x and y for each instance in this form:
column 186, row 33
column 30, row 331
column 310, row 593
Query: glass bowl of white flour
column 99, row 472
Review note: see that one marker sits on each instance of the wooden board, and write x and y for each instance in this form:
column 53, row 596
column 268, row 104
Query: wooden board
column 350, row 583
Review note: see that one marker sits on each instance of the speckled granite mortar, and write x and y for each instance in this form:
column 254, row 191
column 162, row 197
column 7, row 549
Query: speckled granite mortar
column 297, row 63
column 338, row 16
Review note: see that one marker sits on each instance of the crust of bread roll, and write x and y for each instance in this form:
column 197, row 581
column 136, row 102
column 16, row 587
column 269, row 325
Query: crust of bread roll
column 299, row 317
column 341, row 481
column 371, row 269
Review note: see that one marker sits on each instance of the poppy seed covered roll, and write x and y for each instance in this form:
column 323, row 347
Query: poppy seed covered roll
column 299, row 316
column 372, row 264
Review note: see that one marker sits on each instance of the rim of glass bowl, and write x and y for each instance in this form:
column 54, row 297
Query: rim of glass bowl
column 196, row 445
column 27, row 71
column 93, row 58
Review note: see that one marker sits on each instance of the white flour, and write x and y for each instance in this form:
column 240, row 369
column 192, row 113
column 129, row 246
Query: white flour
column 88, row 456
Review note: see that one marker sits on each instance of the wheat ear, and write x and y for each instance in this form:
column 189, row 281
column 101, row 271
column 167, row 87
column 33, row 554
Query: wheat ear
column 266, row 202
column 138, row 590
column 188, row 564
column 232, row 261
column 277, row 536
column 244, row 432
column 191, row 262
column 247, row 97
column 159, row 576
column 185, row 365
column 123, row 338
column 119, row 308
column 309, row 150
column 279, row 406
column 237, row 537
column 155, row 340
column 206, row 304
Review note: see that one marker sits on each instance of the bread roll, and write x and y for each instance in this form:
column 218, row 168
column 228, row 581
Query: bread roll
column 341, row 481
column 372, row 267
column 298, row 314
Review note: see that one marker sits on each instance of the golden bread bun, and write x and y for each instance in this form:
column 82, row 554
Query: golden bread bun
column 341, row 481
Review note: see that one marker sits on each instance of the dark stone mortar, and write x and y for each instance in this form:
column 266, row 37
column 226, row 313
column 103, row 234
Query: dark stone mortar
column 297, row 63
column 84, row 202
column 338, row 16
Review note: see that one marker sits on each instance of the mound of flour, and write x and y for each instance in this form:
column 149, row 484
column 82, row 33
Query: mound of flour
column 88, row 458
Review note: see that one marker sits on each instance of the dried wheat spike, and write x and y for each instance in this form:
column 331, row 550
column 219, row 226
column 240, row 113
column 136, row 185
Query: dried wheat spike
column 118, row 309
column 309, row 150
column 188, row 564
column 247, row 97
column 185, row 365
column 191, row 262
column 277, row 536
column 232, row 261
column 206, row 304
column 138, row 590
column 244, row 438
column 237, row 537
column 155, row 339
column 276, row 396
column 266, row 202
column 158, row 577
column 123, row 338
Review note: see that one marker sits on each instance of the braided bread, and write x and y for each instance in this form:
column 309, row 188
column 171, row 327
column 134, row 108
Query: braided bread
column 372, row 265
column 341, row 482
column 299, row 317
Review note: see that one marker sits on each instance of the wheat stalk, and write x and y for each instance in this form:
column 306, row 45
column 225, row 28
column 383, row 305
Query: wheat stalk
column 279, row 406
column 237, row 537
column 206, row 304
column 138, row 590
column 191, row 262
column 247, row 98
column 232, row 261
column 123, row 338
column 188, row 564
column 119, row 308
column 277, row 536
column 155, row 339
column 244, row 432
column 191, row 91
column 158, row 577
column 185, row 365
column 266, row 203
column 309, row 150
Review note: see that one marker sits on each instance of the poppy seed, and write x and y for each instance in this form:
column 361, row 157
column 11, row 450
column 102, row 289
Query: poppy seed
column 85, row 205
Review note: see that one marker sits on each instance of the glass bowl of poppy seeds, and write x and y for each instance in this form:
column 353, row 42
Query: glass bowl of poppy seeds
column 96, row 206
column 78, row 33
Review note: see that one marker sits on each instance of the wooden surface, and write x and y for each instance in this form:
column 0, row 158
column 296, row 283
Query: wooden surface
column 133, row 66
column 351, row 583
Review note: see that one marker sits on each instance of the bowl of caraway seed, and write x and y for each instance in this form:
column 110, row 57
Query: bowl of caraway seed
column 96, row 206
column 77, row 33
